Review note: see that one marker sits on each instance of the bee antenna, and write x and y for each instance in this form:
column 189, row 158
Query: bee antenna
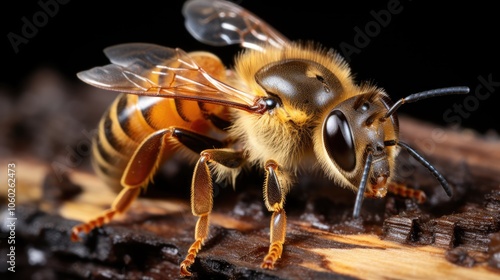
column 427, row 165
column 362, row 186
column 424, row 95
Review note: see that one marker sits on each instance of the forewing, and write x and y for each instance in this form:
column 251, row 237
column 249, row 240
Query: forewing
column 220, row 23
column 147, row 69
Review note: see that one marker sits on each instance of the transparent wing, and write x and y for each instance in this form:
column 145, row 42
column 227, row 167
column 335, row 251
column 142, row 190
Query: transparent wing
column 147, row 69
column 220, row 23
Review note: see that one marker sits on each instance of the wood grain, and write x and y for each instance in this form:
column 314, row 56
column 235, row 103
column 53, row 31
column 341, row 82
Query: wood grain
column 395, row 238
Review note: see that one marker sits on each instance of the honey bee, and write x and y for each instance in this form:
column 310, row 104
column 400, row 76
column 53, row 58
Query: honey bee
column 285, row 107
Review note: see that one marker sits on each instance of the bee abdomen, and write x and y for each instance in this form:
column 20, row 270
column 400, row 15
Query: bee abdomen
column 116, row 141
column 131, row 118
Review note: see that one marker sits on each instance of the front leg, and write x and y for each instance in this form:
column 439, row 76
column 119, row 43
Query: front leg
column 274, row 197
column 404, row 191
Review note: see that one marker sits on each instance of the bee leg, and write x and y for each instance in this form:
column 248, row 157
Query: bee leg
column 274, row 197
column 406, row 192
column 202, row 197
column 141, row 167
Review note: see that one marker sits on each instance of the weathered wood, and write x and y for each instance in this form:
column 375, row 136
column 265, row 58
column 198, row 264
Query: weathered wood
column 456, row 238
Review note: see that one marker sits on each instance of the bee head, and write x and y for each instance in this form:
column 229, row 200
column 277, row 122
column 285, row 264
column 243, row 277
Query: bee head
column 359, row 141
column 355, row 128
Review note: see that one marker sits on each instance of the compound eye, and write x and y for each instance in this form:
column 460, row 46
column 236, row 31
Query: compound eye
column 338, row 140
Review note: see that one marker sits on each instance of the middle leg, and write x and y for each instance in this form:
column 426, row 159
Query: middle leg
column 274, row 197
column 202, row 196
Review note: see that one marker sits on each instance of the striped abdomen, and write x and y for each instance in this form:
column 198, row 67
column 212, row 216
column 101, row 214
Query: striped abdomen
column 131, row 118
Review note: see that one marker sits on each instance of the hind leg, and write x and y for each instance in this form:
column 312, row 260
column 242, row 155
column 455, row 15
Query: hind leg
column 142, row 165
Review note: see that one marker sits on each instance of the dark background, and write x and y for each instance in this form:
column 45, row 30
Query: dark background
column 426, row 45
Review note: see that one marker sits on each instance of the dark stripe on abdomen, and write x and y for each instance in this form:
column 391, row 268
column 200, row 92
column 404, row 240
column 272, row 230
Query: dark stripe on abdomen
column 123, row 115
column 102, row 151
column 218, row 122
column 180, row 110
column 145, row 105
column 108, row 133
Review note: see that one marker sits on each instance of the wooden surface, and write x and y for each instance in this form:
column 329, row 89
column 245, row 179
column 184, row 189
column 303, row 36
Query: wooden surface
column 456, row 238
